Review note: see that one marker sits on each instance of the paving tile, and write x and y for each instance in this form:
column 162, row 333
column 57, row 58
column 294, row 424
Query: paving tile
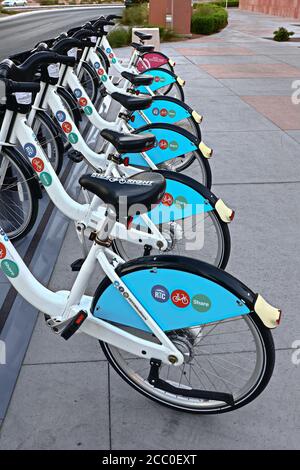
column 264, row 255
column 215, row 51
column 138, row 423
column 289, row 59
column 251, row 70
column 58, row 406
column 279, row 109
column 227, row 114
column 260, row 86
column 233, row 59
column 295, row 135
column 253, row 156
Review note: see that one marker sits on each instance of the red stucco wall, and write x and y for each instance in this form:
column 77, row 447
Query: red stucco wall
column 289, row 8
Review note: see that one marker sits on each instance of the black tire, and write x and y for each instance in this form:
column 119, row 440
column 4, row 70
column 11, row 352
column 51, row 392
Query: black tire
column 266, row 375
column 104, row 60
column 71, row 104
column 19, row 167
column 221, row 228
column 51, row 136
column 89, row 80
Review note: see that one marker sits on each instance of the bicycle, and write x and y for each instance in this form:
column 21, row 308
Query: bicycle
column 166, row 228
column 144, row 335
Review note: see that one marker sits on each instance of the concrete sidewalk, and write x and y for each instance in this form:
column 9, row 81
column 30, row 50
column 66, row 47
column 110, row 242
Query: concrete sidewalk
column 67, row 397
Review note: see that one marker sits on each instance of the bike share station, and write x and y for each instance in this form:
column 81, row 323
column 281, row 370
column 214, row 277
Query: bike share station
column 154, row 143
column 40, row 251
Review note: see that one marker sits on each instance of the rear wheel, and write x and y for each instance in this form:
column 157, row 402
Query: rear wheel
column 18, row 201
column 202, row 235
column 89, row 80
column 50, row 139
column 234, row 356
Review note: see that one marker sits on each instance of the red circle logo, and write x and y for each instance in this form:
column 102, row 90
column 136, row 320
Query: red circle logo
column 67, row 127
column 2, row 251
column 38, row 164
column 82, row 101
column 100, row 72
column 163, row 144
column 167, row 200
column 157, row 79
column 111, row 55
column 163, row 112
column 180, row 298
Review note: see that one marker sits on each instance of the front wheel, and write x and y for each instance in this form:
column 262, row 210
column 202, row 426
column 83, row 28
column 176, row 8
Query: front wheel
column 236, row 356
column 18, row 195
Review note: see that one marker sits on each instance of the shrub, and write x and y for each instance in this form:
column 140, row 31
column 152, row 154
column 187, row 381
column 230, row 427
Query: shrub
column 282, row 34
column 135, row 16
column 208, row 19
column 222, row 3
column 48, row 2
column 119, row 37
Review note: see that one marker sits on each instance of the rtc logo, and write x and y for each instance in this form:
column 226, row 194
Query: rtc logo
column 167, row 200
column 163, row 144
column 180, row 298
column 38, row 164
column 67, row 127
column 82, row 101
column 160, row 294
column 2, row 251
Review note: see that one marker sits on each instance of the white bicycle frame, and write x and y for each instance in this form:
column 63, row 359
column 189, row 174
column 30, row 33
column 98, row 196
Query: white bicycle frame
column 86, row 216
column 62, row 306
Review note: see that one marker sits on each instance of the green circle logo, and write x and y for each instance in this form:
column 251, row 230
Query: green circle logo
column 180, row 202
column 10, row 268
column 104, row 78
column 45, row 178
column 114, row 60
column 173, row 145
column 73, row 138
column 201, row 303
column 172, row 113
column 88, row 110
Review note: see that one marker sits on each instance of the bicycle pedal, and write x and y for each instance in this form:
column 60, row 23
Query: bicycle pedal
column 75, row 156
column 74, row 325
column 76, row 265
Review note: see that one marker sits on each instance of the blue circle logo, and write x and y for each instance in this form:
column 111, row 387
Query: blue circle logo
column 77, row 93
column 30, row 150
column 160, row 293
column 108, row 50
column 97, row 65
column 61, row 116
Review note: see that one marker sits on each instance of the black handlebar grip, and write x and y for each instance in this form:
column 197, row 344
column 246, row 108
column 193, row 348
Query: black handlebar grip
column 64, row 45
column 113, row 17
column 83, row 34
column 13, row 87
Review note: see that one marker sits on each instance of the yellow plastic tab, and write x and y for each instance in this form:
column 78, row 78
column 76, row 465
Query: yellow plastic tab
column 198, row 118
column 207, row 152
column 270, row 316
column 171, row 62
column 180, row 81
column 226, row 214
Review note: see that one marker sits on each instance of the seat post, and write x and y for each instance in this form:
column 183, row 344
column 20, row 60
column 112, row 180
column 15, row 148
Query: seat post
column 105, row 226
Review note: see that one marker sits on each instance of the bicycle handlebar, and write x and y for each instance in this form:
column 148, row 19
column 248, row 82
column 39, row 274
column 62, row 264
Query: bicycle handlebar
column 14, row 87
column 64, row 45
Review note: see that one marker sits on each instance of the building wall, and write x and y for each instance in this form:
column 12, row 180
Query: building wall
column 289, row 8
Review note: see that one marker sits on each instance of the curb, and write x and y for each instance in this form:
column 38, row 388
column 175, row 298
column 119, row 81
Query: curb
column 49, row 10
